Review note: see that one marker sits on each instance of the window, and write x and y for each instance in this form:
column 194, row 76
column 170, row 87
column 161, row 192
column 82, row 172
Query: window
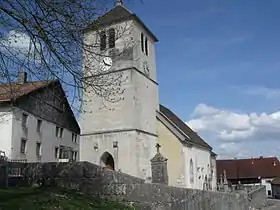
column 23, row 146
column 74, row 137
column 56, row 131
column 75, row 154
column 191, row 172
column 24, row 119
column 39, row 124
column 38, row 149
column 142, row 42
column 60, row 152
column 102, row 40
column 56, row 152
column 112, row 38
column 269, row 192
column 146, row 46
column 61, row 133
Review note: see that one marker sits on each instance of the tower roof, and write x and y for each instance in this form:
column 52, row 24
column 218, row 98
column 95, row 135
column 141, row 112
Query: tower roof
column 116, row 15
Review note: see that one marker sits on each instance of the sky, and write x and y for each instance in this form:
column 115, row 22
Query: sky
column 218, row 69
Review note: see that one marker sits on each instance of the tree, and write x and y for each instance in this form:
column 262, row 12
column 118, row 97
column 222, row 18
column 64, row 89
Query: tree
column 45, row 39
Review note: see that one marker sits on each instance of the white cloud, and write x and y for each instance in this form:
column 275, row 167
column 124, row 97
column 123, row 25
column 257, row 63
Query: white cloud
column 268, row 93
column 231, row 130
column 230, row 126
column 18, row 44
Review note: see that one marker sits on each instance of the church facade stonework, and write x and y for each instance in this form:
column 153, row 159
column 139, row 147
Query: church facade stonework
column 123, row 135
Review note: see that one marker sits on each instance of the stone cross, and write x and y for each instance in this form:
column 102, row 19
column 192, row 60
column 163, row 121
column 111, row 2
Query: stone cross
column 159, row 168
column 158, row 146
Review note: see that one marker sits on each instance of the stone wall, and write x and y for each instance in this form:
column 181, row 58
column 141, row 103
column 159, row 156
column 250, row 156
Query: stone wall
column 95, row 180
column 257, row 198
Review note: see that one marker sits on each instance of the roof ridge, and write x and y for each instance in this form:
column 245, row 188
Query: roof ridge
column 194, row 137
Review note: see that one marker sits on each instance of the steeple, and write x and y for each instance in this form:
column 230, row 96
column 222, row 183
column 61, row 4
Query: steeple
column 119, row 2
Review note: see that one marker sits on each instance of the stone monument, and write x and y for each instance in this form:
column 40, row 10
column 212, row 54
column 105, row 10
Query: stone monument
column 159, row 168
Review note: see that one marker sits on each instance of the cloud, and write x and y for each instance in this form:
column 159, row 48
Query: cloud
column 258, row 91
column 229, row 150
column 18, row 44
column 230, row 130
column 268, row 93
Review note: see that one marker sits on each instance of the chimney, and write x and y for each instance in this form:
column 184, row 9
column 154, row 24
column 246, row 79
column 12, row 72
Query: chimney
column 22, row 77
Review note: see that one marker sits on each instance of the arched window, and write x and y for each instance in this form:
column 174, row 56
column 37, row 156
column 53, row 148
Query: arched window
column 112, row 38
column 102, row 40
column 142, row 42
column 146, row 46
column 191, row 172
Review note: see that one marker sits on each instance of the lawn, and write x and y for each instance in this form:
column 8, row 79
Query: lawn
column 50, row 199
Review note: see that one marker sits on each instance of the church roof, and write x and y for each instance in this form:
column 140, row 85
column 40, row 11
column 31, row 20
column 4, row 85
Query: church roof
column 249, row 168
column 116, row 15
column 183, row 127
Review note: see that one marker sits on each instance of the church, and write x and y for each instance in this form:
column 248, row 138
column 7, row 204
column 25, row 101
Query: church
column 123, row 135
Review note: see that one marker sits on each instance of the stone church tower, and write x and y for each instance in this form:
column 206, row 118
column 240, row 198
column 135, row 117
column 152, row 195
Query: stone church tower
column 121, row 135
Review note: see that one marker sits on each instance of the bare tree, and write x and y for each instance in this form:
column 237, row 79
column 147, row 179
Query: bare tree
column 45, row 39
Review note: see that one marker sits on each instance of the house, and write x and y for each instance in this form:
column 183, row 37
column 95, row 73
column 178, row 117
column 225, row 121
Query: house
column 275, row 188
column 123, row 135
column 37, row 123
column 251, row 171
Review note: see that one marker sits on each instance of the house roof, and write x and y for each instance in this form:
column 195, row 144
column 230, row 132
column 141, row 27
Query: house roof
column 249, row 168
column 276, row 181
column 193, row 137
column 116, row 15
column 12, row 91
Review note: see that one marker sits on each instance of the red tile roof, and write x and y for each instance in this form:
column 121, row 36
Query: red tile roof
column 9, row 91
column 249, row 168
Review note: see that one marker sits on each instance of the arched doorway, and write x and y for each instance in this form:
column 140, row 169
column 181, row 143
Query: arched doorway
column 107, row 161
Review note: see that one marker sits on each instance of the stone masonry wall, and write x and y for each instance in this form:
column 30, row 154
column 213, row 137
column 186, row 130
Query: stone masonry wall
column 93, row 179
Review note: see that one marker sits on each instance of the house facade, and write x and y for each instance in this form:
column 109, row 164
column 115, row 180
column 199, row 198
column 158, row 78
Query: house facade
column 36, row 122
column 124, row 134
column 251, row 171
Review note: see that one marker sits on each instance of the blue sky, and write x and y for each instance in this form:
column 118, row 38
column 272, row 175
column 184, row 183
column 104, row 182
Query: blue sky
column 222, row 54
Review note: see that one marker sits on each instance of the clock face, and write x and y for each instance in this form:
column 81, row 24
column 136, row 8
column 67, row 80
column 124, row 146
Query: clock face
column 106, row 64
column 108, row 61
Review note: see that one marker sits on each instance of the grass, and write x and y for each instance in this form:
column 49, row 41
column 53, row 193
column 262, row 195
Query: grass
column 50, row 199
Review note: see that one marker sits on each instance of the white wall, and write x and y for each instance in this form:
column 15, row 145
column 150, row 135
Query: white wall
column 47, row 137
column 6, row 117
column 201, row 159
column 267, row 183
column 132, row 156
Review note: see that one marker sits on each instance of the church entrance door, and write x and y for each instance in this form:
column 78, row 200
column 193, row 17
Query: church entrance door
column 107, row 161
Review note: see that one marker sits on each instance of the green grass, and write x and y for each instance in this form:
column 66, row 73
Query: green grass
column 50, row 199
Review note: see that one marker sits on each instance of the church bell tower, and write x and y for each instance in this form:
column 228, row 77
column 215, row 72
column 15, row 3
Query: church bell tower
column 120, row 135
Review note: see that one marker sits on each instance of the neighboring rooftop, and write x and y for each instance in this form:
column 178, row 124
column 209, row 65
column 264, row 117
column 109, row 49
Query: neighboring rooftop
column 183, row 127
column 268, row 167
